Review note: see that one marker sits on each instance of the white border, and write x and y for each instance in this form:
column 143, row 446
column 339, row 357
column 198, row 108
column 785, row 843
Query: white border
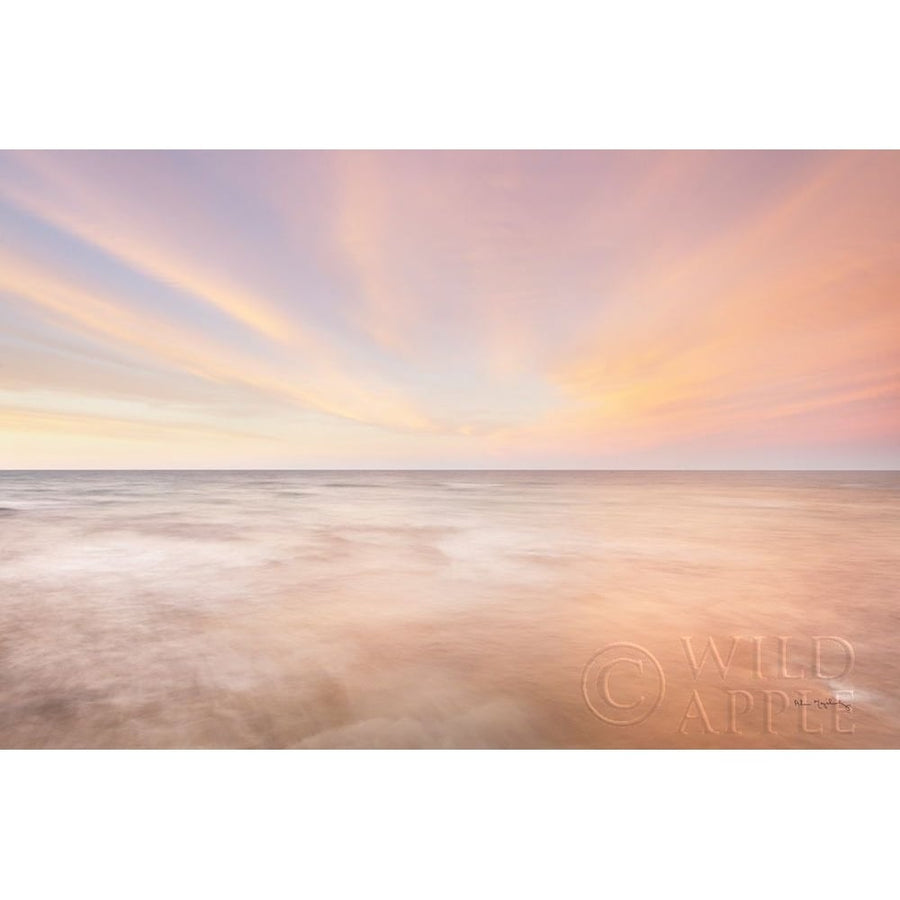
column 410, row 74
column 434, row 824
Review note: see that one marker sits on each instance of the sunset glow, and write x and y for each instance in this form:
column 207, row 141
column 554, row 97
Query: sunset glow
column 450, row 309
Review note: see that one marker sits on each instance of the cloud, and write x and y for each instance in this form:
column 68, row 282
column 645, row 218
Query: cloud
column 438, row 306
column 730, row 336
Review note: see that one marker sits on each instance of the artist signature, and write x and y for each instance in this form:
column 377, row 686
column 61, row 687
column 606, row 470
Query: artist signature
column 824, row 704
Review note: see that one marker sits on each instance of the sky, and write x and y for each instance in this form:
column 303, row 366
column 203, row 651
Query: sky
column 458, row 309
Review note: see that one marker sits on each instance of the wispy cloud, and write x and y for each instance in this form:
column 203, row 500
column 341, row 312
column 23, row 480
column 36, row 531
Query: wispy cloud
column 450, row 308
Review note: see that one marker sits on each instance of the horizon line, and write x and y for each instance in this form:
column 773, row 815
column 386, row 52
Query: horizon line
column 453, row 469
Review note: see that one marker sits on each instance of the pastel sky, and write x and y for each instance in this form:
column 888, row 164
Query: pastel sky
column 450, row 309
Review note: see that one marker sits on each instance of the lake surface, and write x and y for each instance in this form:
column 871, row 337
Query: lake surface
column 449, row 609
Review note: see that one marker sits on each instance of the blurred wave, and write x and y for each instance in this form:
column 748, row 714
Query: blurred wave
column 428, row 609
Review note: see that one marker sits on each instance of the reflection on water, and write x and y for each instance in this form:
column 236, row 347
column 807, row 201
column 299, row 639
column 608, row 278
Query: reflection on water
column 448, row 609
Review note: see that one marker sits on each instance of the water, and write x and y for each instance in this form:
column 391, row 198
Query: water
column 449, row 609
